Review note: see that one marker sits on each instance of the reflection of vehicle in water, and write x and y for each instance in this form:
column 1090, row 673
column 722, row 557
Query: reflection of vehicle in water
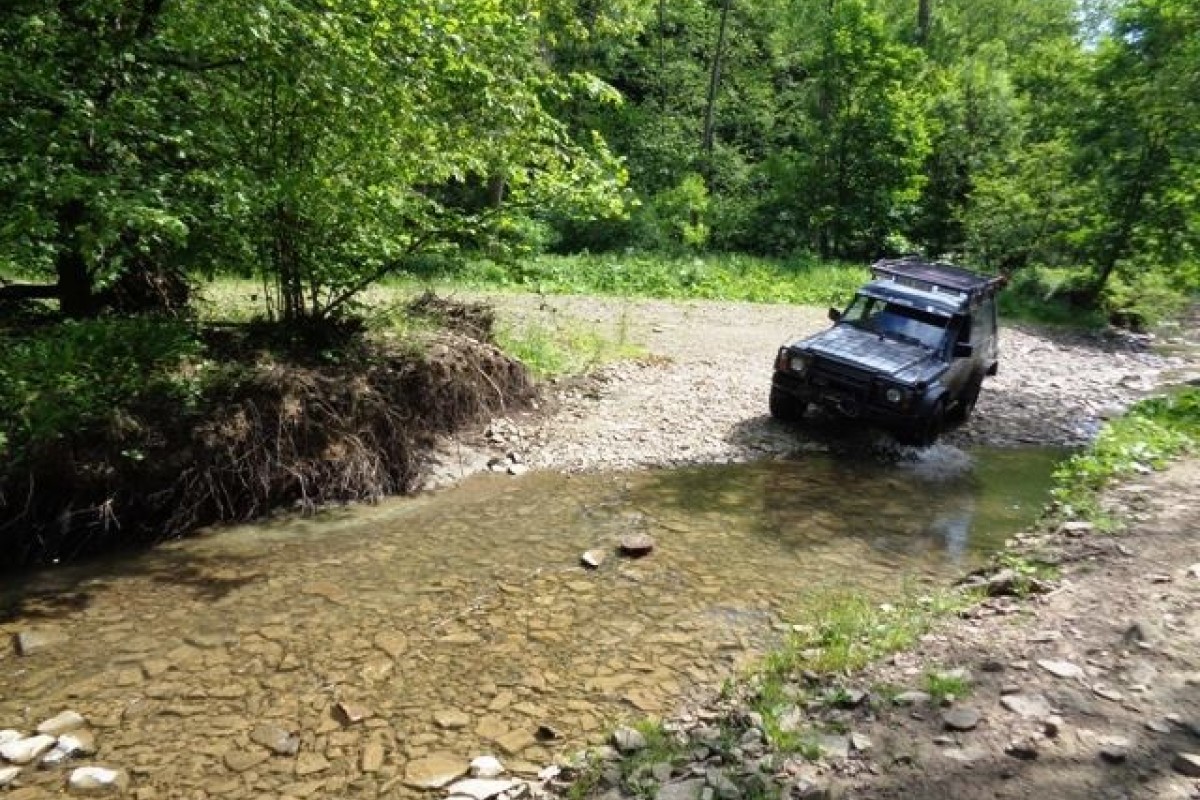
column 910, row 351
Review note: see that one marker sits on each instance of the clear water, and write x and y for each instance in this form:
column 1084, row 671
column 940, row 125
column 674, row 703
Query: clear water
column 478, row 594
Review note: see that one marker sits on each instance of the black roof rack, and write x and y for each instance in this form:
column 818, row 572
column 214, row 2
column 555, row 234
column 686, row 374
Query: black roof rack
column 935, row 275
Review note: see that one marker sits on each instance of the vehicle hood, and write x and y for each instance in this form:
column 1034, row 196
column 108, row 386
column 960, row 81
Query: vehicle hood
column 898, row 360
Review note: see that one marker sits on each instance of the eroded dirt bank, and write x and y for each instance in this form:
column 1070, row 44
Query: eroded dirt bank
column 700, row 393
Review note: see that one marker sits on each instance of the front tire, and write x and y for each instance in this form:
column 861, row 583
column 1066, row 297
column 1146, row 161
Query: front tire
column 927, row 429
column 784, row 407
column 966, row 403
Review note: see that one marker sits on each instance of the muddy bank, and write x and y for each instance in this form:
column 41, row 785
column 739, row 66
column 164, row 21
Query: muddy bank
column 700, row 393
column 280, row 428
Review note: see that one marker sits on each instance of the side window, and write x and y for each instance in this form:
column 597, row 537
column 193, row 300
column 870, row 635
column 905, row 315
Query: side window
column 983, row 322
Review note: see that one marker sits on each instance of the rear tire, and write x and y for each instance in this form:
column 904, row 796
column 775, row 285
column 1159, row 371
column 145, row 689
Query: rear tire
column 786, row 408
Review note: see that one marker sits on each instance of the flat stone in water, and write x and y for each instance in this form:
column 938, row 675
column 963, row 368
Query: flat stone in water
column 31, row 641
column 393, row 643
column 593, row 559
column 451, row 719
column 372, row 757
column 434, row 771
column 961, row 719
column 8, row 775
column 486, row 767
column 1061, row 669
column 637, row 545
column 276, row 739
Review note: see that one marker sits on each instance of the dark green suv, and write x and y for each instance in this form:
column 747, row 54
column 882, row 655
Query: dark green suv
column 910, row 352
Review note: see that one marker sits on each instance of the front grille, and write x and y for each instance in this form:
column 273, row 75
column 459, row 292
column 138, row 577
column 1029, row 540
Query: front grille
column 829, row 375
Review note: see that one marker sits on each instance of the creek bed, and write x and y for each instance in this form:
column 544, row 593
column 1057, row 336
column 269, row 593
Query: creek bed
column 459, row 622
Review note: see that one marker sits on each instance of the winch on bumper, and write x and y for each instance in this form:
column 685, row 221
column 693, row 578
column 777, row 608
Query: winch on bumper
column 804, row 378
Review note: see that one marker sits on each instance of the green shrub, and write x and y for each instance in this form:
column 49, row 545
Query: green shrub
column 73, row 376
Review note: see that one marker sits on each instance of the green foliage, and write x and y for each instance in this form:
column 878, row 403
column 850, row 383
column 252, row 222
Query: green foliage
column 1151, row 433
column 943, row 686
column 725, row 277
column 66, row 380
column 565, row 348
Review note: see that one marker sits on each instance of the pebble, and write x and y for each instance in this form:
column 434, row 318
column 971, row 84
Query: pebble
column 682, row 790
column 911, row 698
column 98, row 781
column 31, row 641
column 1187, row 764
column 1061, row 669
column 451, row 719
column 637, row 545
column 860, row 742
column 276, row 739
column 1027, row 706
column 486, row 767
column 593, row 559
column 961, row 719
column 434, row 771
column 372, row 757
column 1115, row 750
column 8, row 775
column 26, row 751
column 77, row 743
column 1158, row 726
column 628, row 740
column 480, row 788
column 64, row 722
column 1024, row 749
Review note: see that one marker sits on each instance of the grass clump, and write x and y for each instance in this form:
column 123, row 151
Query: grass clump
column 1144, row 440
column 944, row 686
column 565, row 348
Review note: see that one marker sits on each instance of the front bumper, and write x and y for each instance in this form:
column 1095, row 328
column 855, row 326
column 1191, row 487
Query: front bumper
column 852, row 402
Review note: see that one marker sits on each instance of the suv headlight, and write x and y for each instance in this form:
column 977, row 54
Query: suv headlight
column 799, row 364
column 897, row 395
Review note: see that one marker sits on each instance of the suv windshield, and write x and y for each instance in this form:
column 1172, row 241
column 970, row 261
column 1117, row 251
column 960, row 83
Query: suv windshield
column 896, row 321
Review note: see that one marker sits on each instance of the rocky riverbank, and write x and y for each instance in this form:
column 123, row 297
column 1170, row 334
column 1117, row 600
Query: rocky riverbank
column 1086, row 686
column 700, row 393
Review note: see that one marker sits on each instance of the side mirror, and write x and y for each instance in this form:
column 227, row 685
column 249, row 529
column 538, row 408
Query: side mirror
column 835, row 315
column 964, row 350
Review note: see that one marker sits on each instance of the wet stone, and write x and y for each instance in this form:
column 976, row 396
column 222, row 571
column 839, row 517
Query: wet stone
column 480, row 788
column 64, row 722
column 593, row 559
column 310, row 764
column 276, row 739
column 434, row 771
column 350, row 713
column 242, row 760
column 682, row 790
column 372, row 757
column 393, row 643
column 911, row 698
column 29, row 642
column 515, row 741
column 77, row 743
column 451, row 719
column 1114, row 750
column 1023, row 749
column 636, row 545
column 8, row 775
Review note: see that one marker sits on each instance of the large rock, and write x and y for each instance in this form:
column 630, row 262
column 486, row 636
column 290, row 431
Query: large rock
column 434, row 771
column 98, row 781
column 61, row 723
column 26, row 751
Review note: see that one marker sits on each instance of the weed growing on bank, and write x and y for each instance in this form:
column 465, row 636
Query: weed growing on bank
column 565, row 348
column 1150, row 434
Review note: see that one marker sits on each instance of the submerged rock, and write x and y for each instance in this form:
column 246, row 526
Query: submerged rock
column 64, row 722
column 636, row 545
column 26, row 751
column 434, row 771
column 98, row 781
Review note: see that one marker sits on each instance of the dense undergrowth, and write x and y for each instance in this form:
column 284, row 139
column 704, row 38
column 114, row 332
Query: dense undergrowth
column 120, row 432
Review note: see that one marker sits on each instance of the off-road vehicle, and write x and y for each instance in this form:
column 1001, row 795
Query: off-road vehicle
column 909, row 353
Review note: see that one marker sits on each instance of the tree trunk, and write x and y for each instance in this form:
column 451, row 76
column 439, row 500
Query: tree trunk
column 76, row 297
column 924, row 20
column 714, row 85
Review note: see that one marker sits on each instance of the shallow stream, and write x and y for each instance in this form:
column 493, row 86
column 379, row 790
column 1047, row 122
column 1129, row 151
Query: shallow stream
column 459, row 622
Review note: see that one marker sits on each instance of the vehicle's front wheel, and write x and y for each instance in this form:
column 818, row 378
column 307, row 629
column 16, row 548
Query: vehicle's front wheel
column 966, row 403
column 925, row 431
column 786, row 408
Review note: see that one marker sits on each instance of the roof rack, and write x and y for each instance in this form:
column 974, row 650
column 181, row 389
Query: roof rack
column 938, row 277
